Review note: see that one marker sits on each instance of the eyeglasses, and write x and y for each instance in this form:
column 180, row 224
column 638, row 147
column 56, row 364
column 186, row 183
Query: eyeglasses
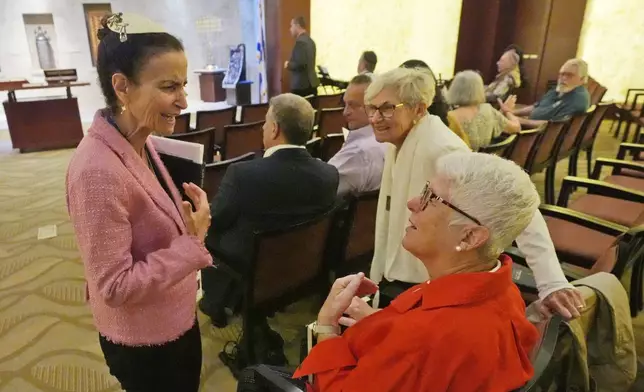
column 386, row 110
column 428, row 195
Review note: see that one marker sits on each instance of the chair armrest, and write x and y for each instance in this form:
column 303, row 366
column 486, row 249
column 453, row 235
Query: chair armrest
column 582, row 219
column 628, row 94
column 636, row 97
column 275, row 381
column 632, row 148
column 596, row 187
column 616, row 164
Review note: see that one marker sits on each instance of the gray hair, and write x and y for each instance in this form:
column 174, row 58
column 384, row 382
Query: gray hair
column 413, row 86
column 495, row 191
column 295, row 116
column 466, row 89
column 582, row 68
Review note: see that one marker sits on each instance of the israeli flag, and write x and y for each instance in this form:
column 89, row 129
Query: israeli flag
column 261, row 53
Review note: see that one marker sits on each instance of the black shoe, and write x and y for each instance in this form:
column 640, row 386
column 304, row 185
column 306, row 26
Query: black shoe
column 217, row 315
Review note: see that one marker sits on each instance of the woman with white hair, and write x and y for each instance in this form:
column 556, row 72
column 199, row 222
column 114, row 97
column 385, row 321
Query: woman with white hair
column 396, row 103
column 508, row 78
column 480, row 121
column 466, row 330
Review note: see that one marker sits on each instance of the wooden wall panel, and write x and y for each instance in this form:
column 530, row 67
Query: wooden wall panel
column 279, row 42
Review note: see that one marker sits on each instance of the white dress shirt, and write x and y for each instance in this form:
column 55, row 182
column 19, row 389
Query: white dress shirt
column 270, row 151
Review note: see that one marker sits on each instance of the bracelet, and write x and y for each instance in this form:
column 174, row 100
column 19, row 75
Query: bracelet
column 326, row 329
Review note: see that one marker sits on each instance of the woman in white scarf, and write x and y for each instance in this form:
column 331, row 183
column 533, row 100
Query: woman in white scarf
column 396, row 103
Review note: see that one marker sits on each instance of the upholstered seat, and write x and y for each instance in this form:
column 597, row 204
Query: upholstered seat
column 624, row 212
column 577, row 244
column 636, row 181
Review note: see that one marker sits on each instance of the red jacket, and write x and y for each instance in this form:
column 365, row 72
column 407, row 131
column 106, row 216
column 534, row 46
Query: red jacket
column 459, row 333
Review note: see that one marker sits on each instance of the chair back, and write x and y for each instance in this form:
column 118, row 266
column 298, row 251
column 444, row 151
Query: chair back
column 204, row 137
column 217, row 119
column 240, row 139
column 597, row 95
column 574, row 135
column 594, row 122
column 591, row 85
column 215, row 172
column 355, row 235
column 548, row 147
column 525, row 147
column 182, row 123
column 254, row 113
column 331, row 144
column 314, row 146
column 329, row 101
column 501, row 148
column 313, row 100
column 331, row 121
column 288, row 262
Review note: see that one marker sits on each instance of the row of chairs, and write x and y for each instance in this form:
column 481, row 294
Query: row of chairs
column 295, row 262
column 603, row 229
column 542, row 148
column 218, row 134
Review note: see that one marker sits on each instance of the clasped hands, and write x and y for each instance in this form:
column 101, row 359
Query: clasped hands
column 345, row 297
column 198, row 219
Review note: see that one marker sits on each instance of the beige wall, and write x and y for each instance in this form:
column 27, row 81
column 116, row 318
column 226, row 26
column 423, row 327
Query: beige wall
column 397, row 30
column 612, row 42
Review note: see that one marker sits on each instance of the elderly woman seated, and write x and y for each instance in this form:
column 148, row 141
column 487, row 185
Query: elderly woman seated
column 480, row 121
column 509, row 76
column 465, row 330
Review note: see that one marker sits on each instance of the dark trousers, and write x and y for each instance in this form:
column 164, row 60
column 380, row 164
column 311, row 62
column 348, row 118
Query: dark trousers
column 171, row 367
column 304, row 92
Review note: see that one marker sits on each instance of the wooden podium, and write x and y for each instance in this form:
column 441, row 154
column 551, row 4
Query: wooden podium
column 39, row 124
column 210, row 85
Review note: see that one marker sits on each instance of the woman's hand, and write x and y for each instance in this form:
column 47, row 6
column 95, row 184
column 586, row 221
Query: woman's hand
column 197, row 221
column 508, row 105
column 357, row 310
column 341, row 296
column 567, row 302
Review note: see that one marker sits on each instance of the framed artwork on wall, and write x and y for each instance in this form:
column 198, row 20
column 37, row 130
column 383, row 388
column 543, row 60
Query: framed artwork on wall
column 93, row 15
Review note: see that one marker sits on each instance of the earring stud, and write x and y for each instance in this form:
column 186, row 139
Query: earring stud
column 458, row 248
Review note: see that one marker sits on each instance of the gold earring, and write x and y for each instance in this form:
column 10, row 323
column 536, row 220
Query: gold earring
column 123, row 109
column 458, row 248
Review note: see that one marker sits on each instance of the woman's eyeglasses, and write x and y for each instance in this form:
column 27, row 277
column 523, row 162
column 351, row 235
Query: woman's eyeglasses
column 386, row 110
column 428, row 196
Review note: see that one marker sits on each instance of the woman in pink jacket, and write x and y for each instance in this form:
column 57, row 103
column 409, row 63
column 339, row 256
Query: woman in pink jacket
column 140, row 244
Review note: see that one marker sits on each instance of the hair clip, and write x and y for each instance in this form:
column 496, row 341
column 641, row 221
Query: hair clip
column 116, row 24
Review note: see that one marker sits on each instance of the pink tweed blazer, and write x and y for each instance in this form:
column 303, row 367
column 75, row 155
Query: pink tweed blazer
column 140, row 263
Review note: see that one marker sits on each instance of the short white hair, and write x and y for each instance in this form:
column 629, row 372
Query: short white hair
column 466, row 89
column 413, row 86
column 493, row 190
column 582, row 68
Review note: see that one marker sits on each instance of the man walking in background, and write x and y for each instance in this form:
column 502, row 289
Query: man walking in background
column 304, row 79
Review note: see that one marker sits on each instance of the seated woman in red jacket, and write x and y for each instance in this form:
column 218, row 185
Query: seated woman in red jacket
column 465, row 330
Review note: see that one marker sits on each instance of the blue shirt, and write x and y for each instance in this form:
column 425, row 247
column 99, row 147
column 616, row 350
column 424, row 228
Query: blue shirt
column 554, row 107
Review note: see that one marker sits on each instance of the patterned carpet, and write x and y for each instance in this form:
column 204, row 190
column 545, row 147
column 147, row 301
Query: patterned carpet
column 47, row 340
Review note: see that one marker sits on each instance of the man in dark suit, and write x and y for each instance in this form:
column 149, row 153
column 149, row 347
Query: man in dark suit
column 286, row 187
column 304, row 78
